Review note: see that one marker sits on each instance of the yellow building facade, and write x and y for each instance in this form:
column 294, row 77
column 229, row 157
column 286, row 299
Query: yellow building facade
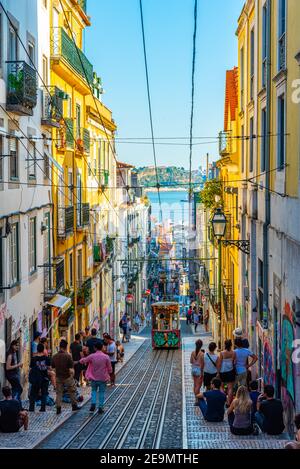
column 229, row 177
column 71, row 78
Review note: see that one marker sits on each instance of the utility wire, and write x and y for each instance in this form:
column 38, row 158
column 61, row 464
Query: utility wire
column 149, row 104
column 193, row 95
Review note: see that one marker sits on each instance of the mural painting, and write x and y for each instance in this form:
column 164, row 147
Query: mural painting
column 269, row 373
column 287, row 367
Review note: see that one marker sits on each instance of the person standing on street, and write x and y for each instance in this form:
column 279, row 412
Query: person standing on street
column 196, row 320
column 210, row 365
column 197, row 362
column 35, row 342
column 128, row 329
column 98, row 372
column 111, row 351
column 64, row 367
column 226, row 369
column 38, row 378
column 206, row 319
column 77, row 354
column 12, row 371
column 241, row 362
column 93, row 340
column 123, row 327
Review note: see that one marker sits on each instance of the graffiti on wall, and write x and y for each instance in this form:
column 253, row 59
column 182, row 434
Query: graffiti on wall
column 269, row 373
column 286, row 365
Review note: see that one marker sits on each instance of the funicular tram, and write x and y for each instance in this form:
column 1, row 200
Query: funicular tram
column 166, row 325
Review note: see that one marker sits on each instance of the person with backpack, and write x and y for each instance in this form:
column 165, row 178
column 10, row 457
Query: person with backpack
column 38, row 378
column 123, row 327
column 210, row 365
column 197, row 363
column 12, row 371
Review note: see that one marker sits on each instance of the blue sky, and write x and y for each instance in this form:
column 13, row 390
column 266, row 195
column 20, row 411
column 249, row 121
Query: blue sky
column 114, row 45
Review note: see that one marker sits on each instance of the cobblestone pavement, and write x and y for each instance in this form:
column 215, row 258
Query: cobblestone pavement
column 42, row 424
column 199, row 434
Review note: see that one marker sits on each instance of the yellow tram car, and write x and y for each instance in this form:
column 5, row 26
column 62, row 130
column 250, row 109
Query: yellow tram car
column 166, row 325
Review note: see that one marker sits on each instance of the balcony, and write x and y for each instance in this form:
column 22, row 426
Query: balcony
column 103, row 177
column 228, row 302
column 21, row 88
column 83, row 140
column 98, row 253
column 65, row 136
column 84, row 294
column 65, row 224
column 54, row 278
column 225, row 143
column 83, row 215
column 63, row 49
column 52, row 106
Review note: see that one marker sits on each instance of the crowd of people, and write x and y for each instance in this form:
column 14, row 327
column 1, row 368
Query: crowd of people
column 197, row 314
column 226, row 377
column 88, row 361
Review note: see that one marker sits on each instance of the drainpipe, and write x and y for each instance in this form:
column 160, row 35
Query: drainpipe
column 267, row 176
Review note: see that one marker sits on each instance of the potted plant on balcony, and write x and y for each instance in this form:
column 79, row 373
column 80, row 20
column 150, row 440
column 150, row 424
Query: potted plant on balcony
column 15, row 87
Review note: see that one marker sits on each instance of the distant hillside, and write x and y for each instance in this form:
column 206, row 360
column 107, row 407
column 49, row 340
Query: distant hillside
column 167, row 176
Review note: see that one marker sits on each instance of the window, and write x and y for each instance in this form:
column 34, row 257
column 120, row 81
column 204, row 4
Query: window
column 13, row 158
column 281, row 131
column 281, row 34
column 252, row 44
column 1, row 263
column 1, row 158
column 70, row 270
column 261, row 289
column 78, row 120
column 264, row 45
column 79, row 266
column 263, row 140
column 31, row 53
column 45, row 70
column 1, row 39
column 32, row 245
column 31, row 160
column 243, row 148
column 14, row 254
column 46, row 165
column 251, row 145
column 242, row 78
column 70, row 188
column 12, row 45
column 79, row 198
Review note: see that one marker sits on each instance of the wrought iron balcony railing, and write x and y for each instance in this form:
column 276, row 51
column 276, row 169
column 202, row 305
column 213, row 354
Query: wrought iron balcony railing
column 103, row 177
column 225, row 143
column 54, row 277
column 21, row 88
column 63, row 47
column 83, row 140
column 228, row 302
column 52, row 106
column 65, row 223
column 84, row 295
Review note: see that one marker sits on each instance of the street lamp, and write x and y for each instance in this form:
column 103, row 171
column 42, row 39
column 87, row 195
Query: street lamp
column 219, row 224
column 125, row 268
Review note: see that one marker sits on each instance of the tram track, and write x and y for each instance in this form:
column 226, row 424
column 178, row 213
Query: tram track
column 136, row 411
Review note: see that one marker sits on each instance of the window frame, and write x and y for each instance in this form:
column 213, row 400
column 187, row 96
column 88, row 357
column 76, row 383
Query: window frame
column 32, row 245
column 251, row 144
column 281, row 124
column 14, row 156
column 14, row 255
column 263, row 153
